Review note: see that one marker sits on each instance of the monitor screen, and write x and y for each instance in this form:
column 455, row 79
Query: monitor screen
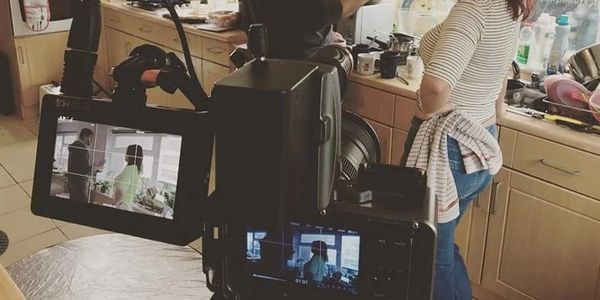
column 306, row 255
column 118, row 167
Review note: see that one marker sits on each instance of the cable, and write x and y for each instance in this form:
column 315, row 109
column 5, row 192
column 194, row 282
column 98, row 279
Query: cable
column 184, row 45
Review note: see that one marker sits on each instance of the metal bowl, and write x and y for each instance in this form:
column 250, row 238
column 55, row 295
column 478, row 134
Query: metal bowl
column 585, row 64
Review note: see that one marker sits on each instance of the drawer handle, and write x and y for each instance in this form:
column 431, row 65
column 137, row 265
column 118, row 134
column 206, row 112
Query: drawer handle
column 115, row 19
column 554, row 166
column 495, row 187
column 145, row 29
column 176, row 40
column 21, row 57
column 216, row 50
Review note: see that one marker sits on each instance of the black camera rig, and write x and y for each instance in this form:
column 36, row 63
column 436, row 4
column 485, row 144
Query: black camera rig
column 302, row 209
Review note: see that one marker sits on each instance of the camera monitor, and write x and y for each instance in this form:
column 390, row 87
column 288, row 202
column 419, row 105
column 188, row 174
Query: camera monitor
column 139, row 171
column 306, row 256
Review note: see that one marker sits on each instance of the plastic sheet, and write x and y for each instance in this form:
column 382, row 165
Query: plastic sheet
column 112, row 266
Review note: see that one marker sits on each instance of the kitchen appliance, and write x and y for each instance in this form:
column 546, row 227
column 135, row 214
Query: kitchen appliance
column 60, row 17
column 366, row 21
column 585, row 64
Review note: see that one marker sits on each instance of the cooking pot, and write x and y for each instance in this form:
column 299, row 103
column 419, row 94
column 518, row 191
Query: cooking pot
column 585, row 64
column 514, row 87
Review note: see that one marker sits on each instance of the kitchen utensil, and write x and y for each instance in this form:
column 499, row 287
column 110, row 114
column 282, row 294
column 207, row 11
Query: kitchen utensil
column 389, row 64
column 358, row 49
column 559, row 120
column 377, row 55
column 585, row 64
column 549, row 84
column 402, row 80
column 569, row 92
column 514, row 88
column 366, row 64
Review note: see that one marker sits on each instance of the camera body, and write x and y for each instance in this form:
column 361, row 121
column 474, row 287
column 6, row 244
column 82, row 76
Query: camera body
column 274, row 228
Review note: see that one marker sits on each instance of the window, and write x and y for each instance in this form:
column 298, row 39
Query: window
column 170, row 151
column 124, row 140
column 61, row 147
column 583, row 18
column 329, row 239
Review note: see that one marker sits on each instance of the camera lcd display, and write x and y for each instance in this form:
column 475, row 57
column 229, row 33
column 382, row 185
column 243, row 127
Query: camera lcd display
column 118, row 167
column 306, row 255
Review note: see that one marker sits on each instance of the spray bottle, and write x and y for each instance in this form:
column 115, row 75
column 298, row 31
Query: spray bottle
column 559, row 46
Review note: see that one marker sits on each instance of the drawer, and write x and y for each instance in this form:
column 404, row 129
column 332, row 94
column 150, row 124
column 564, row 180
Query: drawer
column 170, row 38
column 564, row 166
column 115, row 19
column 405, row 110
column 398, row 139
column 384, row 133
column 507, row 139
column 216, row 51
column 374, row 104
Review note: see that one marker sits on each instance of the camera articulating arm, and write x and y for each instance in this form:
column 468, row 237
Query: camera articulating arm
column 149, row 66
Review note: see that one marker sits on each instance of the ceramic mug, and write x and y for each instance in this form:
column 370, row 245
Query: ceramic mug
column 414, row 67
column 366, row 64
column 377, row 55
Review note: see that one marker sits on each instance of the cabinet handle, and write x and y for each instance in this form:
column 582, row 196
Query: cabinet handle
column 145, row 29
column 495, row 187
column 216, row 50
column 556, row 167
column 476, row 202
column 176, row 40
column 21, row 57
column 115, row 19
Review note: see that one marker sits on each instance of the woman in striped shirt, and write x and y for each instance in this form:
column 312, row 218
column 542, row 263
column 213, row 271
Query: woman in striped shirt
column 466, row 62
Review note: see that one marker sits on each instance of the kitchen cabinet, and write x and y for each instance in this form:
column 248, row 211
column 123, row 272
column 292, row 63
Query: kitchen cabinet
column 211, row 73
column 126, row 27
column 543, row 243
column 534, row 233
column 384, row 133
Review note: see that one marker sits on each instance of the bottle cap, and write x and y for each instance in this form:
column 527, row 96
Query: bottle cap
column 563, row 20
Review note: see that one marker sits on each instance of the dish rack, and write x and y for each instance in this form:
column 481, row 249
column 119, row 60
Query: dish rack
column 580, row 114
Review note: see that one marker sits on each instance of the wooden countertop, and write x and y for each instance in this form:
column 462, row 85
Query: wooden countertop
column 394, row 86
column 8, row 288
column 231, row 36
column 540, row 128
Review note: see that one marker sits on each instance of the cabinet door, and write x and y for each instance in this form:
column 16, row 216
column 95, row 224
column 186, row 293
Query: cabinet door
column 211, row 74
column 543, row 242
column 384, row 133
column 178, row 100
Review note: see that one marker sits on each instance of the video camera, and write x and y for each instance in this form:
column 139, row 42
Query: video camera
column 301, row 207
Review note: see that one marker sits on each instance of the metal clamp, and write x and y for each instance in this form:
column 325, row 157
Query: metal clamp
column 556, row 167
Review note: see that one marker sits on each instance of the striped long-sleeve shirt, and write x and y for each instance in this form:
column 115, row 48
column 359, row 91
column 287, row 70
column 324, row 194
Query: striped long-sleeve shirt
column 479, row 150
column 472, row 51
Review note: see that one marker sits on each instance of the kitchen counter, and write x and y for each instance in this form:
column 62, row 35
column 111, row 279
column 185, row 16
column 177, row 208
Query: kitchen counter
column 231, row 36
column 540, row 128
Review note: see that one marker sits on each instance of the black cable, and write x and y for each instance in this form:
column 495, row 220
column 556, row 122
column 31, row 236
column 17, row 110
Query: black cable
column 184, row 45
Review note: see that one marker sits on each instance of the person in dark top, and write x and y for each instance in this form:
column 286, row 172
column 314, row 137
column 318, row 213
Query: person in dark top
column 79, row 166
column 298, row 28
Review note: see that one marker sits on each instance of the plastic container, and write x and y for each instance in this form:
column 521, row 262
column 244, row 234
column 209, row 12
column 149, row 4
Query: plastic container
column 559, row 46
column 526, row 39
column 544, row 31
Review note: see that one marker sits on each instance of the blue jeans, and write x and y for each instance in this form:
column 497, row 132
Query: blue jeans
column 451, row 280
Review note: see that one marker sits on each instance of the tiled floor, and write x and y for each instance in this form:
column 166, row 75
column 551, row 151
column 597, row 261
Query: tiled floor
column 27, row 233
